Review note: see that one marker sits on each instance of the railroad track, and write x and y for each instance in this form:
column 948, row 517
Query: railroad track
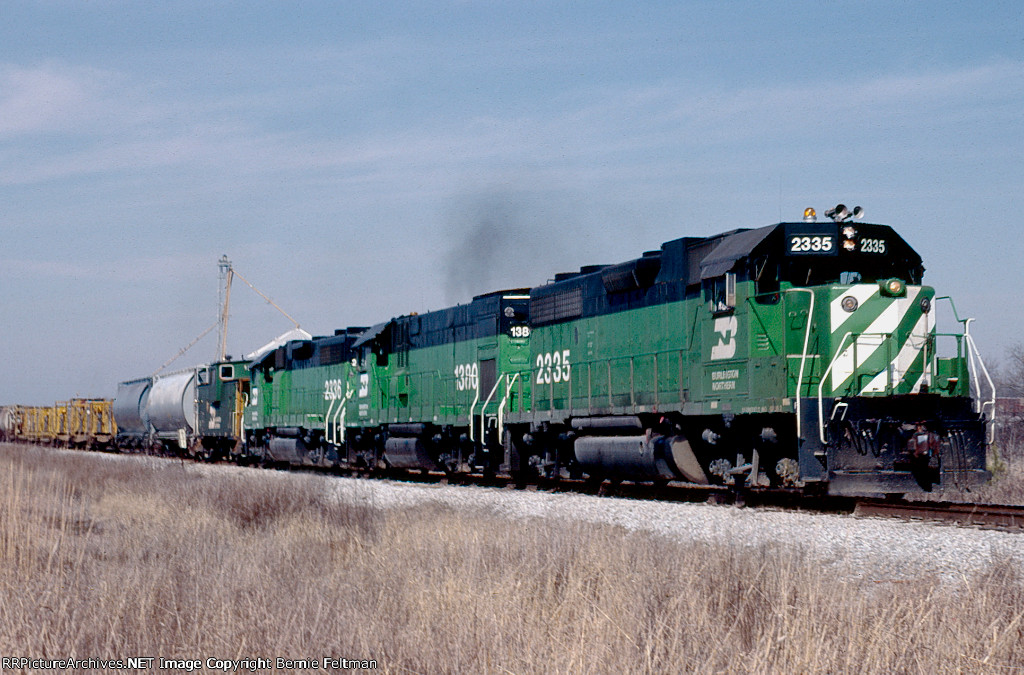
column 987, row 516
column 1003, row 517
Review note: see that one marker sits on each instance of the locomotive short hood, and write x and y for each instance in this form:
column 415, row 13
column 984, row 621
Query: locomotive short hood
column 784, row 240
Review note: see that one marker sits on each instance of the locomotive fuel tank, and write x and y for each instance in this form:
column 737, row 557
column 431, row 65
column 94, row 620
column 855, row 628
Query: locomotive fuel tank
column 618, row 447
column 288, row 446
column 405, row 448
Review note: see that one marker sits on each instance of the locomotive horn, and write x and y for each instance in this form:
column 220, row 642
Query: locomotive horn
column 858, row 212
column 841, row 213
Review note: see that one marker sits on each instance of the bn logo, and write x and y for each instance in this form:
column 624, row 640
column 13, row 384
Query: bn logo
column 726, row 328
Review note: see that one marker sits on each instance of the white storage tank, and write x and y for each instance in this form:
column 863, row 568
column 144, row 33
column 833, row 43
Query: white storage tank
column 172, row 404
column 130, row 407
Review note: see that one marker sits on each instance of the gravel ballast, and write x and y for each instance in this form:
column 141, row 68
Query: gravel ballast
column 878, row 549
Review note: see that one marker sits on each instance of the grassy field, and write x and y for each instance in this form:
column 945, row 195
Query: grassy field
column 110, row 559
column 1006, row 461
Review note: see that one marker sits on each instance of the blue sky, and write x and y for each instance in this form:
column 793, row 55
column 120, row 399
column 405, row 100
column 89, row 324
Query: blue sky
column 359, row 160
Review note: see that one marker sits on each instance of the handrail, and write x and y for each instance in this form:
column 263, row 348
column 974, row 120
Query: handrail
column 821, row 383
column 339, row 420
column 241, row 418
column 483, row 411
column 501, row 406
column 973, row 354
column 472, row 408
column 803, row 358
column 545, row 393
column 332, row 434
column 952, row 306
column 327, row 420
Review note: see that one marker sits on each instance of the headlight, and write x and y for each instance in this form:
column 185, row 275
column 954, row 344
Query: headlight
column 849, row 304
column 894, row 288
column 849, row 238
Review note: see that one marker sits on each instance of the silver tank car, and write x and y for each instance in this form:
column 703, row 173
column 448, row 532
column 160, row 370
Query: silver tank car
column 130, row 408
column 8, row 423
column 172, row 405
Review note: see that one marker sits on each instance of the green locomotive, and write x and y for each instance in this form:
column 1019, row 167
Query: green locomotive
column 423, row 391
column 434, row 387
column 299, row 394
column 801, row 354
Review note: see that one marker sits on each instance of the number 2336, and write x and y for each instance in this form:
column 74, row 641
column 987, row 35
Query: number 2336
column 553, row 367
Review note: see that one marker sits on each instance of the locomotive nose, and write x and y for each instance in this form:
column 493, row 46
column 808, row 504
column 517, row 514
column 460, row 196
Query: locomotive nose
column 880, row 337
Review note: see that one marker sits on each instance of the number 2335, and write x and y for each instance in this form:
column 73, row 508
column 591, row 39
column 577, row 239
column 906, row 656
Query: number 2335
column 553, row 367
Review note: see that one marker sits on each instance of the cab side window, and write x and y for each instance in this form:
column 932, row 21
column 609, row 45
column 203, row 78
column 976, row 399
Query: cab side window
column 720, row 293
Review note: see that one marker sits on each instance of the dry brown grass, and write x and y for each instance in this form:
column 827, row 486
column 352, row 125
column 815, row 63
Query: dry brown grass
column 1006, row 462
column 120, row 558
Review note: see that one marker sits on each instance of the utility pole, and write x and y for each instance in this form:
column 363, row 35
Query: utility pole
column 227, row 275
column 224, row 298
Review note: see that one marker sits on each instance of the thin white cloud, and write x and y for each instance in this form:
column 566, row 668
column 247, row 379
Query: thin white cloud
column 680, row 112
column 151, row 269
column 51, row 98
column 600, row 134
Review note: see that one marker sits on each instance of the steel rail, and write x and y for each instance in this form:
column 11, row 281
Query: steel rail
column 987, row 516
